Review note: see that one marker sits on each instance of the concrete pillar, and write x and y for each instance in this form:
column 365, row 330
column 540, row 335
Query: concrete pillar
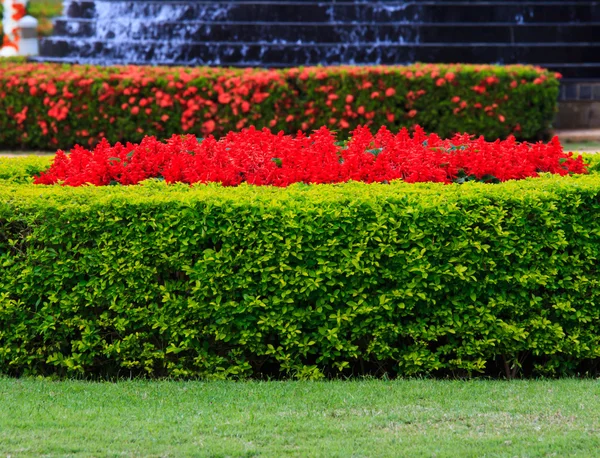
column 14, row 11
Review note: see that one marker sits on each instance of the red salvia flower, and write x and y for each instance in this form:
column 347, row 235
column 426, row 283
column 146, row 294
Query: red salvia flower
column 261, row 157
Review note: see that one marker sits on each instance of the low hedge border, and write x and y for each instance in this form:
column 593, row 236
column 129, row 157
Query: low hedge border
column 22, row 169
column 49, row 106
column 304, row 282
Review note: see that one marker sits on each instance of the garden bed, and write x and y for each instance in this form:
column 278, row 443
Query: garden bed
column 304, row 281
column 260, row 157
column 49, row 106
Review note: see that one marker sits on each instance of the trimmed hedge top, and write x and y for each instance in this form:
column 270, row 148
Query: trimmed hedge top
column 23, row 169
column 51, row 106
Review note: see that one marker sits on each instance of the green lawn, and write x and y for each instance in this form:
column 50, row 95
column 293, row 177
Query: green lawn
column 358, row 418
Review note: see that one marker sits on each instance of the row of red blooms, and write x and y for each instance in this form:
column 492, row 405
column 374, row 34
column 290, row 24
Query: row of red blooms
column 260, row 157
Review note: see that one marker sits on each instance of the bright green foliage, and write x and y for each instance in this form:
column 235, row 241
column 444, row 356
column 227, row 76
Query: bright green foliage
column 22, row 169
column 306, row 281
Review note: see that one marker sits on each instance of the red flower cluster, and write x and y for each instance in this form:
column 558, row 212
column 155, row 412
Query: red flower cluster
column 260, row 157
column 50, row 106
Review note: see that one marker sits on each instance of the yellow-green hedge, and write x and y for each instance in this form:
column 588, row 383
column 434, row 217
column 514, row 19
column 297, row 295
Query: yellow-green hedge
column 305, row 281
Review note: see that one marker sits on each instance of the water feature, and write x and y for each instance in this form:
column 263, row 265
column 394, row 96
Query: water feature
column 555, row 33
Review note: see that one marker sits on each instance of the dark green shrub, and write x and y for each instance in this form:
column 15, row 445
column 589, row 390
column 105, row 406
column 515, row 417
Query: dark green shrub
column 49, row 106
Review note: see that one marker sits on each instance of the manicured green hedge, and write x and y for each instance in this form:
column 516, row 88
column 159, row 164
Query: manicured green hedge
column 303, row 281
column 22, row 169
column 48, row 106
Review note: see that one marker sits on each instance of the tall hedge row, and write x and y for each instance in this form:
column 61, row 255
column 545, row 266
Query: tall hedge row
column 49, row 106
column 306, row 281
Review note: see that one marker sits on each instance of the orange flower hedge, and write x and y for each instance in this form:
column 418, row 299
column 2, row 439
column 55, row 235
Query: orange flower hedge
column 49, row 106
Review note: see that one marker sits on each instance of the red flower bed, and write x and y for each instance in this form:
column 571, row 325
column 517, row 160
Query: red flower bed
column 260, row 157
column 51, row 106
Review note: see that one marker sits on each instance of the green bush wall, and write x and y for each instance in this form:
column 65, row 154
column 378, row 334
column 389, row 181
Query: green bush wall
column 303, row 282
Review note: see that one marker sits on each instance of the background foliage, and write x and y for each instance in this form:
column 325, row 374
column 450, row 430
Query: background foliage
column 48, row 106
column 43, row 11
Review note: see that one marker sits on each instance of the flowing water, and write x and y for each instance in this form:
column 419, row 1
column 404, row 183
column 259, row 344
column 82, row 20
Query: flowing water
column 557, row 34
